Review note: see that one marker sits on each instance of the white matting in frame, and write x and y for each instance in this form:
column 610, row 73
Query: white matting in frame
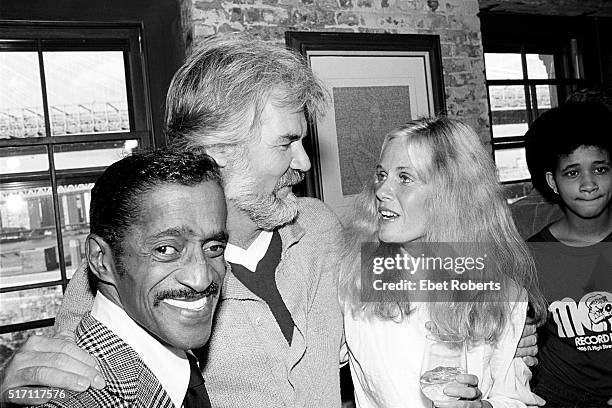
column 372, row 93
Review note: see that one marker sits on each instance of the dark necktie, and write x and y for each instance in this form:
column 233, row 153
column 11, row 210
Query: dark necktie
column 196, row 395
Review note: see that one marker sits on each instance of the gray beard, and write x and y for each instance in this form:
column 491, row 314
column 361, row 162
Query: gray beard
column 267, row 211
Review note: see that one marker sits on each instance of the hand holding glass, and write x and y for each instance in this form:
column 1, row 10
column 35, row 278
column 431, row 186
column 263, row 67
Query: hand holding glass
column 444, row 358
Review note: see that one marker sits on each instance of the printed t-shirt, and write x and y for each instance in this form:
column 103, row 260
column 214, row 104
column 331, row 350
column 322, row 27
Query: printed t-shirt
column 576, row 342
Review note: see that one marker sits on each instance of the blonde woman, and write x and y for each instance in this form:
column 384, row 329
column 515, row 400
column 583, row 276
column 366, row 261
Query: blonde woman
column 435, row 183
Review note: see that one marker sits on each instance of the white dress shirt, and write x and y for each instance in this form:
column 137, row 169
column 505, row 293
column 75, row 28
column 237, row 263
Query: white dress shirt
column 250, row 257
column 169, row 365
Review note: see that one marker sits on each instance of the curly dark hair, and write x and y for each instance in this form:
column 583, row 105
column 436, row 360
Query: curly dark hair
column 560, row 131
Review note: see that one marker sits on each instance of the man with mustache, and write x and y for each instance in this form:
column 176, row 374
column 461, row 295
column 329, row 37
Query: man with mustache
column 155, row 254
column 278, row 328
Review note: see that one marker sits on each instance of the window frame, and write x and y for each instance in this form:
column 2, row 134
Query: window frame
column 570, row 39
column 563, row 85
column 74, row 36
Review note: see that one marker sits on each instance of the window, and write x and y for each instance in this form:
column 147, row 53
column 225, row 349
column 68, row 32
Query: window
column 523, row 83
column 72, row 101
column 529, row 71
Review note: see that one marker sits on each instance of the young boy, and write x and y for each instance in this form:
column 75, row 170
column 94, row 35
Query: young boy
column 569, row 151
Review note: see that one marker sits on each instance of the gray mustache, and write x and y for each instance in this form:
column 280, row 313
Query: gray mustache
column 290, row 178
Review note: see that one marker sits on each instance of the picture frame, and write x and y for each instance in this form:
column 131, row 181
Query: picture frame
column 376, row 82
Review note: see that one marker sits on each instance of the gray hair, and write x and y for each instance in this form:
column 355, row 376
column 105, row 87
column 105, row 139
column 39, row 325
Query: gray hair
column 217, row 97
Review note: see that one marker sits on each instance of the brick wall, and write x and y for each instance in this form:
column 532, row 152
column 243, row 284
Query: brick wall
column 455, row 21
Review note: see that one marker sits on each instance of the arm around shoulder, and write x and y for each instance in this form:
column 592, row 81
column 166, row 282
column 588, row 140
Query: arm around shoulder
column 54, row 361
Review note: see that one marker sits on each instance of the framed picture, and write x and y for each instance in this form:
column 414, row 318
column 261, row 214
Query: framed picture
column 376, row 83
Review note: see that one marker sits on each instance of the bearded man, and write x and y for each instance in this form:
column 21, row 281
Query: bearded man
column 277, row 334
column 278, row 329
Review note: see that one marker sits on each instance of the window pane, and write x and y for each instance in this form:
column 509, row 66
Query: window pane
column 540, row 66
column 503, row 66
column 10, row 342
column 511, row 164
column 28, row 253
column 21, row 111
column 25, row 159
column 74, row 203
column 508, row 110
column 32, row 304
column 86, row 155
column 86, row 92
column 546, row 96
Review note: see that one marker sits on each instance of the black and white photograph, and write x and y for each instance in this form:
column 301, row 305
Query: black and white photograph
column 306, row 203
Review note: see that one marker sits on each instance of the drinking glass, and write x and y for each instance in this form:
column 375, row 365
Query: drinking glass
column 445, row 357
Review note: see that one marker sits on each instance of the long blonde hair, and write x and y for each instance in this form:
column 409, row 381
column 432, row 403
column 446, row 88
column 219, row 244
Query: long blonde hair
column 467, row 206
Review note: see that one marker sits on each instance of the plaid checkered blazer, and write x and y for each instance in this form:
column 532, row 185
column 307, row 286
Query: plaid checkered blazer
column 129, row 382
